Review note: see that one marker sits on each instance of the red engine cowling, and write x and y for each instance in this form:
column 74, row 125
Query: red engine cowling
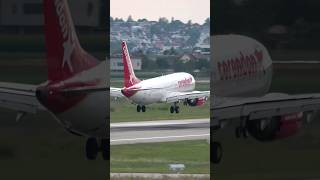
column 197, row 101
column 276, row 127
column 290, row 125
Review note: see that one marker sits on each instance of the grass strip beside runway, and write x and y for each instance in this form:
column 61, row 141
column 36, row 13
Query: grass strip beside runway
column 156, row 157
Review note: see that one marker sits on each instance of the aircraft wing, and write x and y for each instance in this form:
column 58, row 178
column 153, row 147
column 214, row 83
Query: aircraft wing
column 116, row 92
column 272, row 104
column 19, row 97
column 181, row 96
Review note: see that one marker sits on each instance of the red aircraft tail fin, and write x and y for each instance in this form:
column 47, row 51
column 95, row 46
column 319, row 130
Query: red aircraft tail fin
column 65, row 57
column 130, row 78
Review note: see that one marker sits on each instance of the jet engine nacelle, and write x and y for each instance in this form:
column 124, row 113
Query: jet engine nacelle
column 277, row 127
column 197, row 101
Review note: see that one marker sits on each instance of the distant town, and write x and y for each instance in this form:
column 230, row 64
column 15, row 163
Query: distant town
column 159, row 44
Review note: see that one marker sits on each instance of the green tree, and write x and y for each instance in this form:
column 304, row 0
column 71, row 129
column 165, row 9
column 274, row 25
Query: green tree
column 162, row 63
column 194, row 36
column 130, row 19
column 178, row 66
column 163, row 20
column 147, row 63
column 189, row 23
column 207, row 22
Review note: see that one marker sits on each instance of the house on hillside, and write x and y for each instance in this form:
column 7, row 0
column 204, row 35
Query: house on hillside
column 186, row 57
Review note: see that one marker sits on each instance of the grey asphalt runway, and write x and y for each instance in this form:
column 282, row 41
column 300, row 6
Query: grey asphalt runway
column 159, row 131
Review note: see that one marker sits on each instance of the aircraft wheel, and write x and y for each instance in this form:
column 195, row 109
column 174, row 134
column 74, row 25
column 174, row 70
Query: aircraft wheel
column 176, row 109
column 143, row 108
column 92, row 148
column 138, row 108
column 171, row 109
column 105, row 146
column 217, row 152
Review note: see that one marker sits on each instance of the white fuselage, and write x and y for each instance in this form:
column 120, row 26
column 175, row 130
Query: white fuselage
column 155, row 90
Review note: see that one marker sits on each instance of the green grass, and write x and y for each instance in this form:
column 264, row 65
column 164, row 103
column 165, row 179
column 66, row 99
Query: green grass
column 164, row 177
column 155, row 157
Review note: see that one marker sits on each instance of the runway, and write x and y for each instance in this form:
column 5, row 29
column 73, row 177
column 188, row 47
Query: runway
column 159, row 131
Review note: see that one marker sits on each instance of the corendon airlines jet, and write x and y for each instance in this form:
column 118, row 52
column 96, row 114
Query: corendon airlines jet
column 241, row 78
column 76, row 92
column 172, row 88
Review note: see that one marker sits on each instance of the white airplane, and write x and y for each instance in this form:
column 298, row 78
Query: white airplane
column 76, row 92
column 172, row 88
column 241, row 78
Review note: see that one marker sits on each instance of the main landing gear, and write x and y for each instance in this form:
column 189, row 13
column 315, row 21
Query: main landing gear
column 241, row 130
column 174, row 108
column 93, row 148
column 141, row 108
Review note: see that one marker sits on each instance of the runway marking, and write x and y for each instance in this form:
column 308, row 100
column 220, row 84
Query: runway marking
column 159, row 123
column 162, row 137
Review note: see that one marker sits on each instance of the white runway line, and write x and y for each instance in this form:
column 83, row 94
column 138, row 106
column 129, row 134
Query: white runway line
column 158, row 123
column 161, row 137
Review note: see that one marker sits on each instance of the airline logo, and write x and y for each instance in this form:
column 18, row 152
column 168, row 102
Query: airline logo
column 66, row 30
column 185, row 82
column 242, row 66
